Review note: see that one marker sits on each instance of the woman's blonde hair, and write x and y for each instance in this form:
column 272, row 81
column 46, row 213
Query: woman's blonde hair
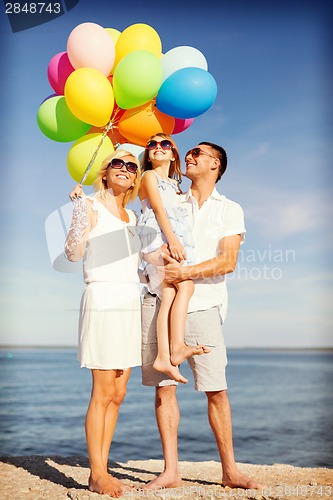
column 100, row 185
column 174, row 171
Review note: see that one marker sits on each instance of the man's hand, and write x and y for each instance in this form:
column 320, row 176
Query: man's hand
column 156, row 258
column 173, row 271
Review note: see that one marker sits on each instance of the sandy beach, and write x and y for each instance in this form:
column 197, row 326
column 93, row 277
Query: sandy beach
column 56, row 478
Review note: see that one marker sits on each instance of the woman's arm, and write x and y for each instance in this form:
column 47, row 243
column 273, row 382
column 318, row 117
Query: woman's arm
column 149, row 189
column 82, row 219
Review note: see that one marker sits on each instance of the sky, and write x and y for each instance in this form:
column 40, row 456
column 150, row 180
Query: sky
column 273, row 111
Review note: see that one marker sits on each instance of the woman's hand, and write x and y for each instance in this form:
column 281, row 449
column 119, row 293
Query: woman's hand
column 77, row 192
column 177, row 250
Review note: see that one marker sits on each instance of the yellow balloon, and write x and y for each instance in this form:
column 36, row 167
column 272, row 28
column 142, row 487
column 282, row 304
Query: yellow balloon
column 81, row 153
column 114, row 34
column 137, row 37
column 89, row 96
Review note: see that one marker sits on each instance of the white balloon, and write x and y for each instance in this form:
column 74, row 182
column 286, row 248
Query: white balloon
column 182, row 57
column 136, row 150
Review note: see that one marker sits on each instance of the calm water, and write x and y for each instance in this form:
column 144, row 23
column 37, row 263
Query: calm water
column 282, row 404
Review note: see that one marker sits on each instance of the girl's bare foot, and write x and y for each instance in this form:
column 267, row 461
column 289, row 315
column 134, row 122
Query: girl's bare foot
column 186, row 351
column 164, row 366
column 107, row 485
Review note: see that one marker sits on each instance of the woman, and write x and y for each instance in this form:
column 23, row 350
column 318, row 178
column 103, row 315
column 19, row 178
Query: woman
column 103, row 233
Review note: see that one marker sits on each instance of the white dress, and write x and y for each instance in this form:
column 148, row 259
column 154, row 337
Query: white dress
column 110, row 313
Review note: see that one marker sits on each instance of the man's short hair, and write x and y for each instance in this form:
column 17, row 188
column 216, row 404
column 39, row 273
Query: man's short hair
column 221, row 155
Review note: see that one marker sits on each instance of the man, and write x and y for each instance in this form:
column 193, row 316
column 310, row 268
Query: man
column 218, row 231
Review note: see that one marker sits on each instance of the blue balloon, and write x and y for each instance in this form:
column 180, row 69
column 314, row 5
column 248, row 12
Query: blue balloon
column 187, row 93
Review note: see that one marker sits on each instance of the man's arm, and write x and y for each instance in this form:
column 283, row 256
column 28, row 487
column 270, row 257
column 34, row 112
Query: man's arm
column 223, row 263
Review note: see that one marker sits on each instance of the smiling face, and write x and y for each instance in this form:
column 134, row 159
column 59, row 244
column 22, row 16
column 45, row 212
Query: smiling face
column 119, row 178
column 201, row 162
column 121, row 174
column 160, row 154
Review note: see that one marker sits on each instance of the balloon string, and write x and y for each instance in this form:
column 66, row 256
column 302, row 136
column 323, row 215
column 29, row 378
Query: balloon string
column 93, row 158
column 106, row 130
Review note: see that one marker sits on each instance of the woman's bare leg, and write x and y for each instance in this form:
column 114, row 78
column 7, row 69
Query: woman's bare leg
column 102, row 394
column 112, row 412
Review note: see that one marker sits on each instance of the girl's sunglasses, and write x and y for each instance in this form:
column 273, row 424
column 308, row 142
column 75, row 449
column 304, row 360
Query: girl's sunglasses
column 165, row 144
column 196, row 152
column 118, row 163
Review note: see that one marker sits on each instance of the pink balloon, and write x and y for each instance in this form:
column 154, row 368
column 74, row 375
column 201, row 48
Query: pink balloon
column 90, row 46
column 58, row 71
column 182, row 124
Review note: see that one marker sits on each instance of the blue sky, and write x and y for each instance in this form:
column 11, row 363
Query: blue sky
column 272, row 66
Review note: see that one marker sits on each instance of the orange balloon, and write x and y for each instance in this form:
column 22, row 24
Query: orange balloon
column 138, row 124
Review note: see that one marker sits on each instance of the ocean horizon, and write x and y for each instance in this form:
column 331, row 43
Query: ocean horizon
column 281, row 400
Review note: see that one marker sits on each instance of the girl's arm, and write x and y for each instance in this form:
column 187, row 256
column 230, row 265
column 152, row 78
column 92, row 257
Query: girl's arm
column 149, row 189
column 81, row 225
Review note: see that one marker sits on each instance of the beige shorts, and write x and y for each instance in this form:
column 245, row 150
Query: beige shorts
column 202, row 327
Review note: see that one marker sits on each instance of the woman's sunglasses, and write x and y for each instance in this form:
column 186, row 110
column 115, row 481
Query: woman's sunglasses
column 165, row 144
column 118, row 163
column 196, row 152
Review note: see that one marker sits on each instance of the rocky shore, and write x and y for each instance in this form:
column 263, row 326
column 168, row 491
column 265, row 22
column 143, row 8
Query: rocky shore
column 57, row 478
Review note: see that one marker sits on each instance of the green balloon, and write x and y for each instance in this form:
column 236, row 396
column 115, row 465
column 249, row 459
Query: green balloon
column 137, row 79
column 58, row 123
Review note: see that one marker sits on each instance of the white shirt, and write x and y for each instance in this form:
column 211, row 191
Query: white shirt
column 218, row 217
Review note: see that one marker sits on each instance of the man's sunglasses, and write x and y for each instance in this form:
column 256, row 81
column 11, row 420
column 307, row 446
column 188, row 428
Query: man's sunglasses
column 196, row 152
column 118, row 163
column 165, row 144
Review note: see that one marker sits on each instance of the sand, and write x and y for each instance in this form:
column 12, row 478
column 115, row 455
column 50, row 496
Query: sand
column 56, row 478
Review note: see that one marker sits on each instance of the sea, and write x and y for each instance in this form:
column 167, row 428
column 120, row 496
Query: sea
column 281, row 400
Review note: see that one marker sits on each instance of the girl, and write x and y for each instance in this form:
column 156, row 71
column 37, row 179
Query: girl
column 103, row 233
column 163, row 220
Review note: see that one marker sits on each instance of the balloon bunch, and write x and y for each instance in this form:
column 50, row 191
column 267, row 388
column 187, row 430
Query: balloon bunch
column 114, row 88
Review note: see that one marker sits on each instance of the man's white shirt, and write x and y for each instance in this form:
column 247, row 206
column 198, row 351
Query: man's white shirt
column 217, row 218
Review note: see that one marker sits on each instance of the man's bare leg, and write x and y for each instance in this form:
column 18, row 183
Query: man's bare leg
column 219, row 415
column 167, row 416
